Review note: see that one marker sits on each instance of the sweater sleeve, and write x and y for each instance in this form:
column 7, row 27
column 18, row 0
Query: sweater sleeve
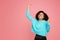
column 29, row 16
column 48, row 26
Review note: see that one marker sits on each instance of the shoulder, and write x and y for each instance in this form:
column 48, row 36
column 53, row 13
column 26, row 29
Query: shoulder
column 35, row 21
column 45, row 21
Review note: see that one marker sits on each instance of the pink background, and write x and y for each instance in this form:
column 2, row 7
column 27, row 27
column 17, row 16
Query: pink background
column 14, row 24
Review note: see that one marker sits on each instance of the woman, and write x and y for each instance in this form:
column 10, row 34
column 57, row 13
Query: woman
column 40, row 24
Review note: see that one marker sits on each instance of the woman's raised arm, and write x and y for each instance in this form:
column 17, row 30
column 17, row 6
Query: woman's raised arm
column 28, row 14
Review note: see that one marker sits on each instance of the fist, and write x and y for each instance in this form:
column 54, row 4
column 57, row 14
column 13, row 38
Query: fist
column 29, row 5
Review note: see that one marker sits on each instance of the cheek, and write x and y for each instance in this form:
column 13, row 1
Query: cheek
column 41, row 16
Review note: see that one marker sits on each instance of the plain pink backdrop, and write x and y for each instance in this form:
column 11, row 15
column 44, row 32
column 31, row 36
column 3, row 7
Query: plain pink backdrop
column 14, row 24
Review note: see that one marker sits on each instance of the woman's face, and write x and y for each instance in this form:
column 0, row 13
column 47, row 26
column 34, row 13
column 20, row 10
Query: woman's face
column 41, row 16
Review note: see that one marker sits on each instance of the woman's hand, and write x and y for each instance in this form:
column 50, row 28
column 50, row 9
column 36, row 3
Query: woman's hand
column 29, row 5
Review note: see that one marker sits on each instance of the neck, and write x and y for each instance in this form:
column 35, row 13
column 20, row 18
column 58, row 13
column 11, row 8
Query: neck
column 40, row 19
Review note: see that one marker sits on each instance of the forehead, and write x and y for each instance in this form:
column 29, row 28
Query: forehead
column 41, row 13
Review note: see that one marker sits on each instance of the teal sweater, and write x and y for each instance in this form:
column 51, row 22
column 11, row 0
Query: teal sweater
column 38, row 27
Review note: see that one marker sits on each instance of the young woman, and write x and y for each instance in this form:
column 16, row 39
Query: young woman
column 40, row 24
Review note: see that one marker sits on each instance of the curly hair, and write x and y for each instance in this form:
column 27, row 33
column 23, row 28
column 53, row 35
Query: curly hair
column 45, row 15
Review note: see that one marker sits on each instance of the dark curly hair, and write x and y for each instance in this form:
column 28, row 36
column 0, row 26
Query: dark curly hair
column 45, row 15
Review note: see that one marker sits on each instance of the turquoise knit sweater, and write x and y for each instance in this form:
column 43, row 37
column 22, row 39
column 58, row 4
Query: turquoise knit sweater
column 38, row 27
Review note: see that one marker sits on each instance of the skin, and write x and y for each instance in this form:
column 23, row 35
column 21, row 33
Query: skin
column 41, row 15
